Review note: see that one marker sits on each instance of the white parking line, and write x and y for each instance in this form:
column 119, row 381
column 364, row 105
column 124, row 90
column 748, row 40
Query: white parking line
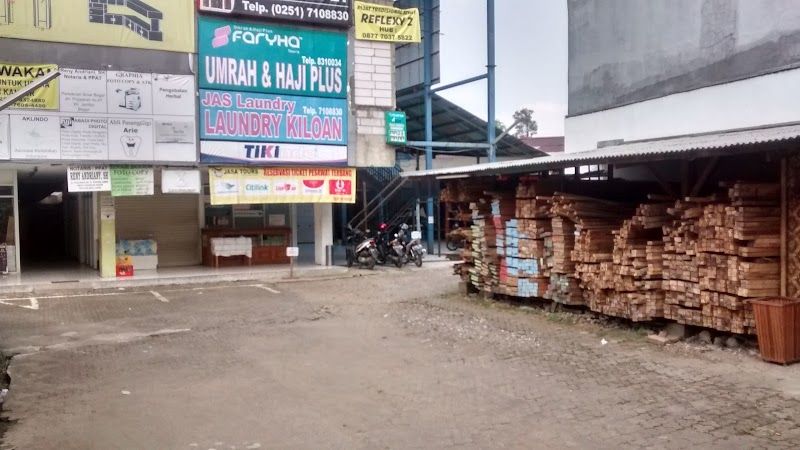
column 266, row 288
column 33, row 303
column 160, row 297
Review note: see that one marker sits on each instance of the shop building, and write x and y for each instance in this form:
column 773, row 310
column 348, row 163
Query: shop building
column 134, row 152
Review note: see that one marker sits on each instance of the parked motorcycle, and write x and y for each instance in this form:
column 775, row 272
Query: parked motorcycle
column 413, row 248
column 397, row 252
column 360, row 248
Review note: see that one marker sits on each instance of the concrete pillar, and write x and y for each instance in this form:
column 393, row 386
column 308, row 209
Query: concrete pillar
column 108, row 236
column 323, row 230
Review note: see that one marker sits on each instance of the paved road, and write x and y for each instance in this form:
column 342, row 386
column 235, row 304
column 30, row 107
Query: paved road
column 396, row 361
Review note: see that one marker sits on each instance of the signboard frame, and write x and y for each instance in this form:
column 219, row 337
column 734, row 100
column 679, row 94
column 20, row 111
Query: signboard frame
column 332, row 13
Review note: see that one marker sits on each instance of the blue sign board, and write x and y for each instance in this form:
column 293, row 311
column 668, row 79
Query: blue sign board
column 253, row 117
column 268, row 59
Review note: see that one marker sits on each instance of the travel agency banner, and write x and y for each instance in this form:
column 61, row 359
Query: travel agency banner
column 254, row 58
column 107, row 116
column 14, row 77
column 147, row 24
column 250, row 185
column 386, row 23
column 335, row 13
column 269, row 129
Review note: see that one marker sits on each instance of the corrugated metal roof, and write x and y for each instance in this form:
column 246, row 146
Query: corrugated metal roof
column 451, row 123
column 654, row 150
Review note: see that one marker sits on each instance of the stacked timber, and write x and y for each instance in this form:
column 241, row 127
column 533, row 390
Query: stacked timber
column 593, row 221
column 680, row 267
column 739, row 255
column 502, row 209
column 634, row 277
column 460, row 191
column 559, row 244
column 481, row 211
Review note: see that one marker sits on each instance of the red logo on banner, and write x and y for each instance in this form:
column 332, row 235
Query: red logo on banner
column 313, row 184
column 341, row 187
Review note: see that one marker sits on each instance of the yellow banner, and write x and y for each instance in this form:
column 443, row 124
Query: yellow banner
column 256, row 185
column 14, row 77
column 149, row 24
column 385, row 23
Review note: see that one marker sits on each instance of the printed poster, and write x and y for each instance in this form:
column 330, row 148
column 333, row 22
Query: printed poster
column 269, row 59
column 5, row 148
column 130, row 181
column 251, row 185
column 14, row 77
column 88, row 179
column 386, row 23
column 147, row 24
column 112, row 116
column 175, row 181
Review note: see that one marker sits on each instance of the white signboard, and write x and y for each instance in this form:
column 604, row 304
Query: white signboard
column 109, row 116
column 4, row 144
column 88, row 179
column 292, row 252
column 180, row 181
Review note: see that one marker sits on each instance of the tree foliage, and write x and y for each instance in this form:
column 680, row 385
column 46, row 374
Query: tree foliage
column 526, row 124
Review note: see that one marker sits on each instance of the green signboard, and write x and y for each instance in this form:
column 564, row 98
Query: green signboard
column 396, row 130
column 131, row 180
column 267, row 59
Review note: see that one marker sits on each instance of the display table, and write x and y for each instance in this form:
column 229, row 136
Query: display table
column 143, row 253
column 267, row 246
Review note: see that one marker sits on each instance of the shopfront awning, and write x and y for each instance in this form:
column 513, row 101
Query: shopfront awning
column 774, row 138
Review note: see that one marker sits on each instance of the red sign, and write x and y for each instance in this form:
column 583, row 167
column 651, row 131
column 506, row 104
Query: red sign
column 341, row 187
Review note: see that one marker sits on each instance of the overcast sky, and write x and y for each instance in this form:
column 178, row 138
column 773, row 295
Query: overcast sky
column 531, row 58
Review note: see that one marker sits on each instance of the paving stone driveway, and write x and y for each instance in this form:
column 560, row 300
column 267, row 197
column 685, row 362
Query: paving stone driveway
column 394, row 360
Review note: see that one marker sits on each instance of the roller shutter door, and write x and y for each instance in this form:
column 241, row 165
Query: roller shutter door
column 172, row 220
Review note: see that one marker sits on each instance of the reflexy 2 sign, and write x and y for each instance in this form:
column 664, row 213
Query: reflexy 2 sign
column 325, row 12
column 268, row 59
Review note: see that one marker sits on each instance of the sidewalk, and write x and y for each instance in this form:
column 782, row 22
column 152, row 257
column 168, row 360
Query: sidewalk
column 81, row 278
column 84, row 278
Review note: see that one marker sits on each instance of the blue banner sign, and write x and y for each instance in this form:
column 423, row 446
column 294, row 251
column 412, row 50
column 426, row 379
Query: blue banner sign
column 252, row 117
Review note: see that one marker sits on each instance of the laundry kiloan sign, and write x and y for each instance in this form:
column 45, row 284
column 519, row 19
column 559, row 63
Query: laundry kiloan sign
column 250, row 117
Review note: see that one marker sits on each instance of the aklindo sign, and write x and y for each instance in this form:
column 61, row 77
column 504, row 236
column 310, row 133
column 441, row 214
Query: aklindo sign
column 335, row 13
column 387, row 24
column 268, row 59
column 245, row 185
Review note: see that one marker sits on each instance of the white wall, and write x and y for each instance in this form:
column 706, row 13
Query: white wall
column 766, row 100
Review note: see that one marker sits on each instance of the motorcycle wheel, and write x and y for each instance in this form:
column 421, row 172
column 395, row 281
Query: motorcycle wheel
column 452, row 245
column 418, row 259
column 350, row 259
column 399, row 263
column 370, row 264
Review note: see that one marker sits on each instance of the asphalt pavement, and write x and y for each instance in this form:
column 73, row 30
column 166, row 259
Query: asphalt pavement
column 394, row 359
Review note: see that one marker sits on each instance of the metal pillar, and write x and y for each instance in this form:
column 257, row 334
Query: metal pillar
column 490, row 71
column 428, row 72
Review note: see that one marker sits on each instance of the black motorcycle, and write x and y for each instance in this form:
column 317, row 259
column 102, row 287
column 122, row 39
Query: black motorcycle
column 360, row 248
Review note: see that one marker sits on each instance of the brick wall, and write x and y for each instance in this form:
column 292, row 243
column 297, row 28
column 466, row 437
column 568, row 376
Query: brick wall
column 372, row 93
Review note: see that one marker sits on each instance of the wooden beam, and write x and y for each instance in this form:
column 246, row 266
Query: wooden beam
column 784, row 226
column 701, row 181
column 661, row 182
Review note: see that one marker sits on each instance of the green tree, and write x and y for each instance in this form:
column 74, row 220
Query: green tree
column 501, row 127
column 526, row 124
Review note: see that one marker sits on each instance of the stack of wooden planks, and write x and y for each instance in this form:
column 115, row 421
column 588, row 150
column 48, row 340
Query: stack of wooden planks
column 680, row 270
column 633, row 278
column 461, row 191
column 481, row 211
column 594, row 220
column 739, row 255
